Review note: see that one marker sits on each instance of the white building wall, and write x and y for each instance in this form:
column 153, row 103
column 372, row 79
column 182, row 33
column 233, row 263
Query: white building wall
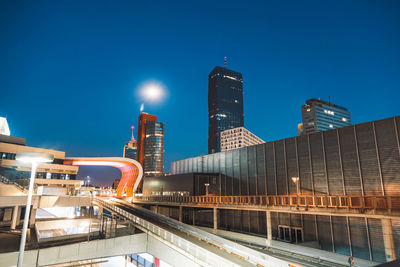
column 237, row 138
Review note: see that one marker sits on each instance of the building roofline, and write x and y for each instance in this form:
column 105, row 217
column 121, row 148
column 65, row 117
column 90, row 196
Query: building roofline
column 313, row 100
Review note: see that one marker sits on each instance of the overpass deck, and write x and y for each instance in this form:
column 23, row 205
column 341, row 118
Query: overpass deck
column 365, row 206
column 204, row 248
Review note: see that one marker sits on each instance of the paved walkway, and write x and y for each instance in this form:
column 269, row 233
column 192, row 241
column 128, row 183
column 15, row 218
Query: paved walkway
column 316, row 257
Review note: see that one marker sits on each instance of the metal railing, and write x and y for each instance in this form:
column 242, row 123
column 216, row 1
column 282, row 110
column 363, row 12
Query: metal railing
column 315, row 201
column 200, row 253
column 23, row 188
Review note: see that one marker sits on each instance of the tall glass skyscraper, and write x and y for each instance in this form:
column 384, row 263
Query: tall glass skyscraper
column 225, row 104
column 321, row 116
column 150, row 144
column 153, row 148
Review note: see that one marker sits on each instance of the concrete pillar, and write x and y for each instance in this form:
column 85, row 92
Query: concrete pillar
column 215, row 212
column 180, row 213
column 83, row 211
column 388, row 240
column 156, row 209
column 19, row 216
column 193, row 215
column 100, row 212
column 14, row 218
column 269, row 229
column 32, row 217
column 91, row 211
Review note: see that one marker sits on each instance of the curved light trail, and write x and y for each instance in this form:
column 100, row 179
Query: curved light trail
column 131, row 171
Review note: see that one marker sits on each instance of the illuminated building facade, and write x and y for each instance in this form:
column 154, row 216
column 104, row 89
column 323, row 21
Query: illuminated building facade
column 225, row 104
column 130, row 148
column 13, row 170
column 150, row 149
column 237, row 138
column 154, row 148
column 320, row 116
column 361, row 160
column 144, row 118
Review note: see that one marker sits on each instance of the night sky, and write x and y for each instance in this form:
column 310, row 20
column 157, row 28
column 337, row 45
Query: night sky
column 69, row 70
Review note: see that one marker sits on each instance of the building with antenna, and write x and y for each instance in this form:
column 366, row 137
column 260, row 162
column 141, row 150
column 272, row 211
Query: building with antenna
column 319, row 115
column 130, row 148
column 225, row 104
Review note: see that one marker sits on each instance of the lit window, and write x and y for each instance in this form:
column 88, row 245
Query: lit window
column 344, row 119
column 330, row 112
column 330, row 126
column 308, row 110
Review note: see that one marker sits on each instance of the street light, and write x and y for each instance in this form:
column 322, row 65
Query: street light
column 207, row 185
column 34, row 158
column 296, row 180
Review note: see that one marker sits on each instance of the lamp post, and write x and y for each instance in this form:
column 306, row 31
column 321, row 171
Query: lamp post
column 207, row 185
column 296, row 181
column 34, row 158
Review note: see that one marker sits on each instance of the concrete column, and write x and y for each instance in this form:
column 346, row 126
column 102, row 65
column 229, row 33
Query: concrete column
column 83, row 211
column 180, row 213
column 269, row 229
column 388, row 240
column 91, row 211
column 215, row 212
column 193, row 215
column 32, row 217
column 14, row 218
column 156, row 209
column 19, row 216
column 100, row 212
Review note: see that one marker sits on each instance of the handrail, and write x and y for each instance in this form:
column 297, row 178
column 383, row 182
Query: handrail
column 5, row 180
column 305, row 201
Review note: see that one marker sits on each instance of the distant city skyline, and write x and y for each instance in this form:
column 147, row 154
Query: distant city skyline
column 69, row 78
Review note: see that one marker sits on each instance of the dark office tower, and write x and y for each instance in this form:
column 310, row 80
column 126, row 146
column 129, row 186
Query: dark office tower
column 150, row 153
column 321, row 116
column 225, row 104
column 130, row 148
column 153, row 148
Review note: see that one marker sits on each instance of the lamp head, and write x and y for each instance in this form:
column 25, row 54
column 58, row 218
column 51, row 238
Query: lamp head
column 34, row 157
column 295, row 179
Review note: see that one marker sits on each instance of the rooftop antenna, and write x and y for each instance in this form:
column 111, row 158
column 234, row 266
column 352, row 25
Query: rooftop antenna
column 225, row 62
column 133, row 138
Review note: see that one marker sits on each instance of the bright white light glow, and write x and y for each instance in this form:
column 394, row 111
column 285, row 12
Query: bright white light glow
column 34, row 157
column 4, row 129
column 152, row 91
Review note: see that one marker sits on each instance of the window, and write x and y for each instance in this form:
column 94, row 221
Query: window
column 330, row 126
column 344, row 119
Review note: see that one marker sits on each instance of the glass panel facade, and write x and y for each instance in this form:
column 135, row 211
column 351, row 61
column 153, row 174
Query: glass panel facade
column 321, row 160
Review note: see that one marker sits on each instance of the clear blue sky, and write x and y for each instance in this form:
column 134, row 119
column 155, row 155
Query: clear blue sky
column 69, row 69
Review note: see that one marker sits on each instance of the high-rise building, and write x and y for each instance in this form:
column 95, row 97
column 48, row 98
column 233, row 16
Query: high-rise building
column 238, row 137
column 130, row 148
column 225, row 104
column 320, row 116
column 150, row 149
column 154, row 148
column 143, row 119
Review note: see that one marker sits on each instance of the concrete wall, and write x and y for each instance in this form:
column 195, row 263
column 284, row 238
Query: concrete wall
column 45, row 201
column 138, row 243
